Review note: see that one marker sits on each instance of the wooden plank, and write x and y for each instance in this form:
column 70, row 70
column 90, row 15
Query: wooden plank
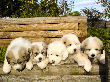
column 34, row 27
column 82, row 24
column 108, row 24
column 46, row 40
column 43, row 34
column 4, row 21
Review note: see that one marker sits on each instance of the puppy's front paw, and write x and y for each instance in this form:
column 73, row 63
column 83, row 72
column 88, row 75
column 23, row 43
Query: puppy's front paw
column 43, row 64
column 6, row 68
column 88, row 68
column 80, row 64
column 29, row 65
column 102, row 61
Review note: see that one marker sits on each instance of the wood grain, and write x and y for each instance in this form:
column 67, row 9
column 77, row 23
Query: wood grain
column 34, row 27
column 4, row 21
column 41, row 34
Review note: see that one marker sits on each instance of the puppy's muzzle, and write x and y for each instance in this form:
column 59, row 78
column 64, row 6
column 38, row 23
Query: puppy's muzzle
column 75, row 50
column 93, row 55
column 40, row 59
column 52, row 62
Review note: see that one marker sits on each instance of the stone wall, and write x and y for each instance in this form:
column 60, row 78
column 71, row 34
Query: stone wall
column 66, row 72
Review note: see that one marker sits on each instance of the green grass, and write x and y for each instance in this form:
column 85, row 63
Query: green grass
column 2, row 53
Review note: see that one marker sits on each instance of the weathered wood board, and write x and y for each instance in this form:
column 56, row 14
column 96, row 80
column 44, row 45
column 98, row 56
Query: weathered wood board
column 45, row 29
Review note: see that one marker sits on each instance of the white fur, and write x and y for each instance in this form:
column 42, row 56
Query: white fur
column 56, row 52
column 15, row 45
column 19, row 42
column 92, row 46
column 43, row 63
column 29, row 65
column 39, row 44
column 77, row 56
column 83, row 60
column 73, row 40
column 17, row 66
column 6, row 67
column 35, row 59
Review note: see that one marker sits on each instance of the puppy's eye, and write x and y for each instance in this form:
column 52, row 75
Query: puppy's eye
column 64, row 42
column 69, row 44
column 88, row 49
column 13, row 63
column 23, row 56
column 19, row 62
column 51, row 54
column 96, row 49
column 57, row 55
column 36, row 53
column 42, row 52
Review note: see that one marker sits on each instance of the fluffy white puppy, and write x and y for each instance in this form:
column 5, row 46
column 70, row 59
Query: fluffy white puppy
column 56, row 52
column 72, row 42
column 93, row 47
column 38, row 57
column 73, row 46
column 17, row 55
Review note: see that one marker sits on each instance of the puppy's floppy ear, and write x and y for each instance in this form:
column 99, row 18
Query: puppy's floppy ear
column 47, row 54
column 84, row 44
column 64, row 40
column 102, row 50
column 65, row 55
column 83, row 49
column 8, row 59
column 29, row 53
column 9, row 56
column 34, row 48
column 45, row 47
column 29, row 50
column 99, row 42
column 46, row 51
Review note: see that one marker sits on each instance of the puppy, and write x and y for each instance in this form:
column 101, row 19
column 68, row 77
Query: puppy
column 73, row 46
column 93, row 47
column 38, row 55
column 72, row 42
column 56, row 52
column 17, row 55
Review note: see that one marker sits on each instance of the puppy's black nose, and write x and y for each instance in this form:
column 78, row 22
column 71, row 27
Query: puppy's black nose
column 19, row 70
column 74, row 50
column 53, row 61
column 93, row 55
column 40, row 58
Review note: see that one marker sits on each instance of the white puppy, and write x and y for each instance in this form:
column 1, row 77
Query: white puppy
column 73, row 46
column 56, row 52
column 38, row 55
column 93, row 47
column 72, row 42
column 17, row 55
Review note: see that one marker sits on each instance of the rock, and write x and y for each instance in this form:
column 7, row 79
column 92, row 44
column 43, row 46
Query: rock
column 50, row 78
